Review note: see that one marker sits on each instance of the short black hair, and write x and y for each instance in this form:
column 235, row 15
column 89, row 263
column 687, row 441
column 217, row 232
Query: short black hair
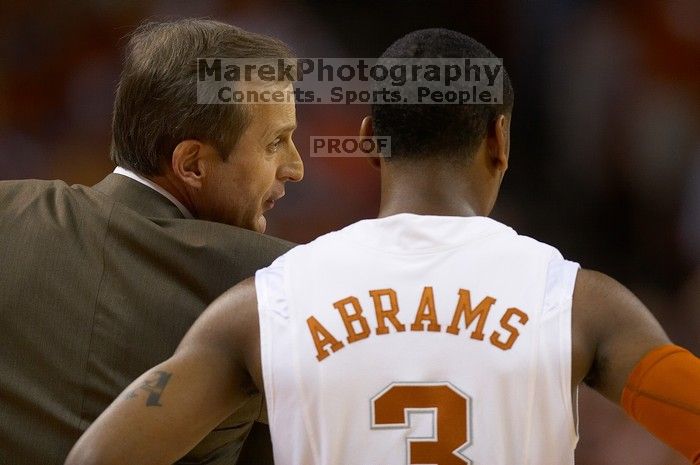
column 454, row 131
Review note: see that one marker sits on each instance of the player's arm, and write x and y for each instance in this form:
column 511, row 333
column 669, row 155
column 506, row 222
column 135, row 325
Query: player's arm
column 170, row 408
column 621, row 351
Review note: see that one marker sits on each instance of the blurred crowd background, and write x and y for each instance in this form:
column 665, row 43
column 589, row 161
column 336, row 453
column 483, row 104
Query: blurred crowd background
column 605, row 157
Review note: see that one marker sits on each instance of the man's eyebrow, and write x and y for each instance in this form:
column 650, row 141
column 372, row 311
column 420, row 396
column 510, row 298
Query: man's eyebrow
column 288, row 127
column 284, row 128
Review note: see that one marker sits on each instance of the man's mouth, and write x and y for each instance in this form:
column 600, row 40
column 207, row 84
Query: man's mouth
column 270, row 202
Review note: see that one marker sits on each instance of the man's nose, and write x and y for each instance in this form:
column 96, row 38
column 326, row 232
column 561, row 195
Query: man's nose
column 293, row 169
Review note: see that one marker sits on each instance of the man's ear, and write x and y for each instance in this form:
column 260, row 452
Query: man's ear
column 188, row 162
column 367, row 131
column 499, row 142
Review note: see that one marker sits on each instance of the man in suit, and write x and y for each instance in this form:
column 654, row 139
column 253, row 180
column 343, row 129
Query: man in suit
column 99, row 283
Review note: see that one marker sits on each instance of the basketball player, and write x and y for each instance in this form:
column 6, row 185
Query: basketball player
column 431, row 335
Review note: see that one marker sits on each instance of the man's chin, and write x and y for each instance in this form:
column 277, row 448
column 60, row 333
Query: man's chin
column 261, row 224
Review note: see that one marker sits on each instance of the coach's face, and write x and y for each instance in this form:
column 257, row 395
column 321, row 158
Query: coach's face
column 240, row 189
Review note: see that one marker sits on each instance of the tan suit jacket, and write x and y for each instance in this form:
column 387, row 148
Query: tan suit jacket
column 98, row 284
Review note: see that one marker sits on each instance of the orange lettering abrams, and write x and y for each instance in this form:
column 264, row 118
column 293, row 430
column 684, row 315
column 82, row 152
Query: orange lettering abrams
column 426, row 312
column 355, row 317
column 464, row 307
column 322, row 337
column 387, row 312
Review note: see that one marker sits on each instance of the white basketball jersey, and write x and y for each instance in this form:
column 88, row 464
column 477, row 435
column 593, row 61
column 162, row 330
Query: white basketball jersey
column 419, row 340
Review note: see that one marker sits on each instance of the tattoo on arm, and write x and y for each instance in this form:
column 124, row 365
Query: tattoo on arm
column 154, row 387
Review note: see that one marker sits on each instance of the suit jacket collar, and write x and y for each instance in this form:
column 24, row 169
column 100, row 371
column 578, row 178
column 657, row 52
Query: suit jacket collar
column 137, row 196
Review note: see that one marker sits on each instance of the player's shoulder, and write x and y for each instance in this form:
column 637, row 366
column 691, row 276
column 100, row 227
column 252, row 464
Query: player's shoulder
column 509, row 241
column 522, row 241
column 406, row 233
column 529, row 245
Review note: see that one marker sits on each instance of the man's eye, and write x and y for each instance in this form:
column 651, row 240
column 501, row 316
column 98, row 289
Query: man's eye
column 275, row 144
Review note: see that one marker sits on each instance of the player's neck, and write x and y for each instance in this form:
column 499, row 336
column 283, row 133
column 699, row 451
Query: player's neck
column 422, row 208
column 429, row 190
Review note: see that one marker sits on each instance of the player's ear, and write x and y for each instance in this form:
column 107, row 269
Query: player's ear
column 189, row 162
column 499, row 141
column 366, row 131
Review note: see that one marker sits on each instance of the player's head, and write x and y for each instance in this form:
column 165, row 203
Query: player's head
column 230, row 162
column 470, row 139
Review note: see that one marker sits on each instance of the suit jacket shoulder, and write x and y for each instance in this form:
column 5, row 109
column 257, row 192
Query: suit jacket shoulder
column 98, row 284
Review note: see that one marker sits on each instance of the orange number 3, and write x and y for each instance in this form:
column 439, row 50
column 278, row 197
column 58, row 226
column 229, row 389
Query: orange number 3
column 450, row 410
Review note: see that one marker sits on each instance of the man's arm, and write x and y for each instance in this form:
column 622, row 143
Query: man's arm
column 619, row 347
column 170, row 408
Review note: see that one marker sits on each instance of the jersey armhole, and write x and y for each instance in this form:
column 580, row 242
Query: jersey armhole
column 270, row 289
column 561, row 280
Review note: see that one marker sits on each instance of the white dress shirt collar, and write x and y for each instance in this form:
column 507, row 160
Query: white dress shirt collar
column 155, row 187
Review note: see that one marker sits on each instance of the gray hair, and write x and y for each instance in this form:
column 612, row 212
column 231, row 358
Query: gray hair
column 156, row 107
